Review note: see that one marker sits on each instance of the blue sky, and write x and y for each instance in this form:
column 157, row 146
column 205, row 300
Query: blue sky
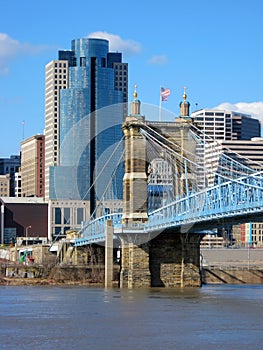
column 212, row 47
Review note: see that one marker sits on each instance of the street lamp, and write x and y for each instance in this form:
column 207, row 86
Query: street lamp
column 28, row 227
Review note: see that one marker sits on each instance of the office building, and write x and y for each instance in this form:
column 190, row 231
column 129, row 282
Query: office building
column 23, row 217
column 86, row 101
column 78, row 87
column 18, row 185
column 10, row 166
column 4, row 185
column 32, row 166
column 56, row 79
column 225, row 125
column 244, row 127
column 250, row 153
column 236, row 135
column 220, row 125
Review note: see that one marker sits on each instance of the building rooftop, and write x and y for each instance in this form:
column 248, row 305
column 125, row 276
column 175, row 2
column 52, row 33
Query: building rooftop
column 22, row 200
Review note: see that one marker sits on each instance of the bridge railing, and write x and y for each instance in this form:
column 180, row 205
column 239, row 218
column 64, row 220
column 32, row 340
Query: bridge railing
column 228, row 199
column 231, row 198
column 94, row 231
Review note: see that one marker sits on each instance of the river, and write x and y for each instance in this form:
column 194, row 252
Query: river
column 52, row 317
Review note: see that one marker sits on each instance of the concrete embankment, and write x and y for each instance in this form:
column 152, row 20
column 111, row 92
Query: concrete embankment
column 232, row 275
column 232, row 266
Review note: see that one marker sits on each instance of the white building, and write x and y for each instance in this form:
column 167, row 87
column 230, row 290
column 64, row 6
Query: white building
column 225, row 125
column 18, row 188
column 56, row 79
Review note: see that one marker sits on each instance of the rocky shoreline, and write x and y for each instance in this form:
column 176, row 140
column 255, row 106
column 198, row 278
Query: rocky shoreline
column 13, row 274
column 14, row 281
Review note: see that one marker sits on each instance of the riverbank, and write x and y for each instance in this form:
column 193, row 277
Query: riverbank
column 212, row 275
column 14, row 274
column 14, row 281
column 218, row 266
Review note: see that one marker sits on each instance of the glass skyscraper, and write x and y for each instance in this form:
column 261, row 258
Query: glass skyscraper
column 91, row 108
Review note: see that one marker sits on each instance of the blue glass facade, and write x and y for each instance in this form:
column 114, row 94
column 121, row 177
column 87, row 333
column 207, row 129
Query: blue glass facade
column 91, row 114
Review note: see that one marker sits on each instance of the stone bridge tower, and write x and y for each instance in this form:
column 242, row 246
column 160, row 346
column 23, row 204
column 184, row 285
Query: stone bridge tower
column 135, row 178
column 168, row 258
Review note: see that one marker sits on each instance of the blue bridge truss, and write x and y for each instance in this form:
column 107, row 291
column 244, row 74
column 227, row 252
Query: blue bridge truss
column 236, row 195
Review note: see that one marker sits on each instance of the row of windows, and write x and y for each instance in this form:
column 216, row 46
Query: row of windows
column 60, row 65
column 58, row 87
column 217, row 114
column 60, row 82
column 121, row 66
column 120, row 84
column 120, row 79
column 63, row 216
column 257, row 225
column 120, row 73
column 209, row 119
column 60, row 75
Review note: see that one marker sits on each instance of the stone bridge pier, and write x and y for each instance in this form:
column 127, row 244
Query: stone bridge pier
column 171, row 259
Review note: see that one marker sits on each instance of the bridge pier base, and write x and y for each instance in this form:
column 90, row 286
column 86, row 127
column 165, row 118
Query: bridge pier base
column 175, row 260
column 171, row 259
column 135, row 271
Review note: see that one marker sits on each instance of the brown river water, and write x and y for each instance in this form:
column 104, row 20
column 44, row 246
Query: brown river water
column 52, row 317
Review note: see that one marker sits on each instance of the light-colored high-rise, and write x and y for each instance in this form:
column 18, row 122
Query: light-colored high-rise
column 225, row 125
column 56, row 79
column 232, row 134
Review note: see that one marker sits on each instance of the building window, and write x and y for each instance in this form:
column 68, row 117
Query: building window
column 66, row 215
column 82, row 61
column 57, row 216
column 58, row 230
column 80, row 215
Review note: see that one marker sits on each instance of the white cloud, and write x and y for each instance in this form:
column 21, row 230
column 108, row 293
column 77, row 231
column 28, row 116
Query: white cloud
column 11, row 48
column 253, row 108
column 158, row 59
column 116, row 43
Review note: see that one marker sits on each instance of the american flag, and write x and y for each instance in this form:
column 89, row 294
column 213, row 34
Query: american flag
column 165, row 92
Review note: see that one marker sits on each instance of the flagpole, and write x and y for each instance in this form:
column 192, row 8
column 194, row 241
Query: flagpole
column 160, row 105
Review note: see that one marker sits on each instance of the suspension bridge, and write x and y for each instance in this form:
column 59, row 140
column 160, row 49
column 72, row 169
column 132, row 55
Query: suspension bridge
column 178, row 185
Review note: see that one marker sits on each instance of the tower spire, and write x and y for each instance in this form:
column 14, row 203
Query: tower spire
column 135, row 92
column 135, row 104
column 184, row 95
column 184, row 105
